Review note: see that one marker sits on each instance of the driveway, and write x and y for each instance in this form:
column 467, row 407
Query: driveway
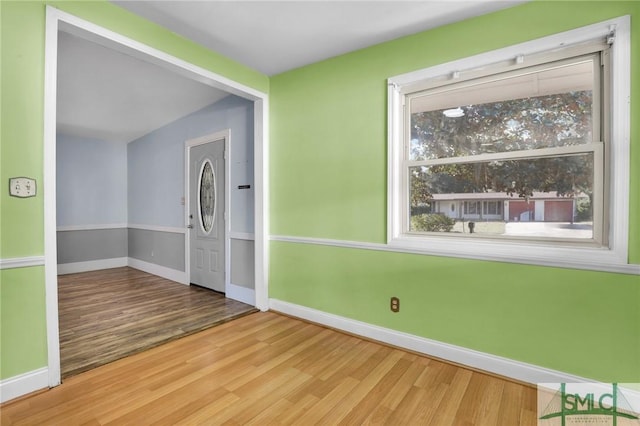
column 550, row 229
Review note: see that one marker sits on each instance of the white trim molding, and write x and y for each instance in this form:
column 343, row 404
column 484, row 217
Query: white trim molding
column 158, row 228
column 479, row 360
column 609, row 256
column 66, row 228
column 161, row 271
column 57, row 20
column 92, row 265
column 261, row 195
column 21, row 262
column 23, row 384
column 119, row 262
column 241, row 294
column 630, row 269
column 242, row 236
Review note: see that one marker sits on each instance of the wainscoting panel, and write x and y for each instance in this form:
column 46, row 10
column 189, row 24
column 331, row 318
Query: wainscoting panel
column 162, row 248
column 243, row 263
column 84, row 245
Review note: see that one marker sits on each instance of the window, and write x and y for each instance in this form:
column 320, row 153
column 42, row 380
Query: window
column 207, row 197
column 527, row 144
column 492, row 208
column 471, row 207
column 528, row 134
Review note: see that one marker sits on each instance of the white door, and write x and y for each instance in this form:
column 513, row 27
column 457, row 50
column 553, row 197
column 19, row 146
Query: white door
column 206, row 215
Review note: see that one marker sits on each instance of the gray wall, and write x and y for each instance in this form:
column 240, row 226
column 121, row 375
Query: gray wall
column 156, row 185
column 87, row 245
column 142, row 183
column 162, row 248
column 243, row 263
column 91, row 179
column 156, row 165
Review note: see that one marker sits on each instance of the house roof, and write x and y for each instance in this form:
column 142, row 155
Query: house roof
column 501, row 196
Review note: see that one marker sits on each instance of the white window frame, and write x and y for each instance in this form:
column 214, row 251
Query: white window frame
column 614, row 256
column 597, row 55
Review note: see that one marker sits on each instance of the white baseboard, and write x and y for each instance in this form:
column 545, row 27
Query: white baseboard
column 161, row 271
column 92, row 265
column 486, row 362
column 151, row 268
column 23, row 384
column 241, row 294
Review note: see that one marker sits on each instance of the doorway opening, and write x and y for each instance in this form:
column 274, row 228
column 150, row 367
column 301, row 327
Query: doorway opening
column 61, row 21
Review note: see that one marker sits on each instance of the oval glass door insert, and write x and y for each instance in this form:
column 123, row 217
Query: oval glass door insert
column 207, row 196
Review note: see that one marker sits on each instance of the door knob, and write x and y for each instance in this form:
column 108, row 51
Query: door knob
column 190, row 226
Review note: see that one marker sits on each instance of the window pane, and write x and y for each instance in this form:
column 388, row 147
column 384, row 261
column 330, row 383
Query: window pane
column 543, row 197
column 207, row 197
column 543, row 109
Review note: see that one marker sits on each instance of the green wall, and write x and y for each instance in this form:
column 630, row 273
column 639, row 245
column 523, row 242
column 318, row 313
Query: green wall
column 22, row 302
column 328, row 180
column 23, row 341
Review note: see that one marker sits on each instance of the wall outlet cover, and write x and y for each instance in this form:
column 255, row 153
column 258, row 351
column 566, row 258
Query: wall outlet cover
column 22, row 187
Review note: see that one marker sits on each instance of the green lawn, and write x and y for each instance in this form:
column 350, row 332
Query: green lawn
column 481, row 227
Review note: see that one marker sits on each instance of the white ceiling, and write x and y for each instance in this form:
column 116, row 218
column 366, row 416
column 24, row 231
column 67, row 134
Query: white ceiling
column 276, row 36
column 109, row 95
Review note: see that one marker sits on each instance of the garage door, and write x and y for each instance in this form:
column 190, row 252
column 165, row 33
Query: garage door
column 558, row 211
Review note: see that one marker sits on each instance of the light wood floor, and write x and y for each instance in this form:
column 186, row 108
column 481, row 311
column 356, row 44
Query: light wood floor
column 107, row 315
column 265, row 368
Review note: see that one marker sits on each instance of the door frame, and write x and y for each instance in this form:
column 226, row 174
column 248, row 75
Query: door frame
column 211, row 138
column 57, row 20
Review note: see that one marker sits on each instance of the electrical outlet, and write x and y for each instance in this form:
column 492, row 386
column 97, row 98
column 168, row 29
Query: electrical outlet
column 395, row 304
column 22, row 187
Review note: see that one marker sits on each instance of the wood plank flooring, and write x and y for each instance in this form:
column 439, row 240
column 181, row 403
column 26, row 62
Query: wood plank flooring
column 266, row 368
column 109, row 314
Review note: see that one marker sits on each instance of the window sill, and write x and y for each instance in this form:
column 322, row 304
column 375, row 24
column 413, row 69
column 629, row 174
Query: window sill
column 563, row 256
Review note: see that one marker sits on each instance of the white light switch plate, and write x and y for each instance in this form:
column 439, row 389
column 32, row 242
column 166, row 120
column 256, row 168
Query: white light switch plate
column 22, row 187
